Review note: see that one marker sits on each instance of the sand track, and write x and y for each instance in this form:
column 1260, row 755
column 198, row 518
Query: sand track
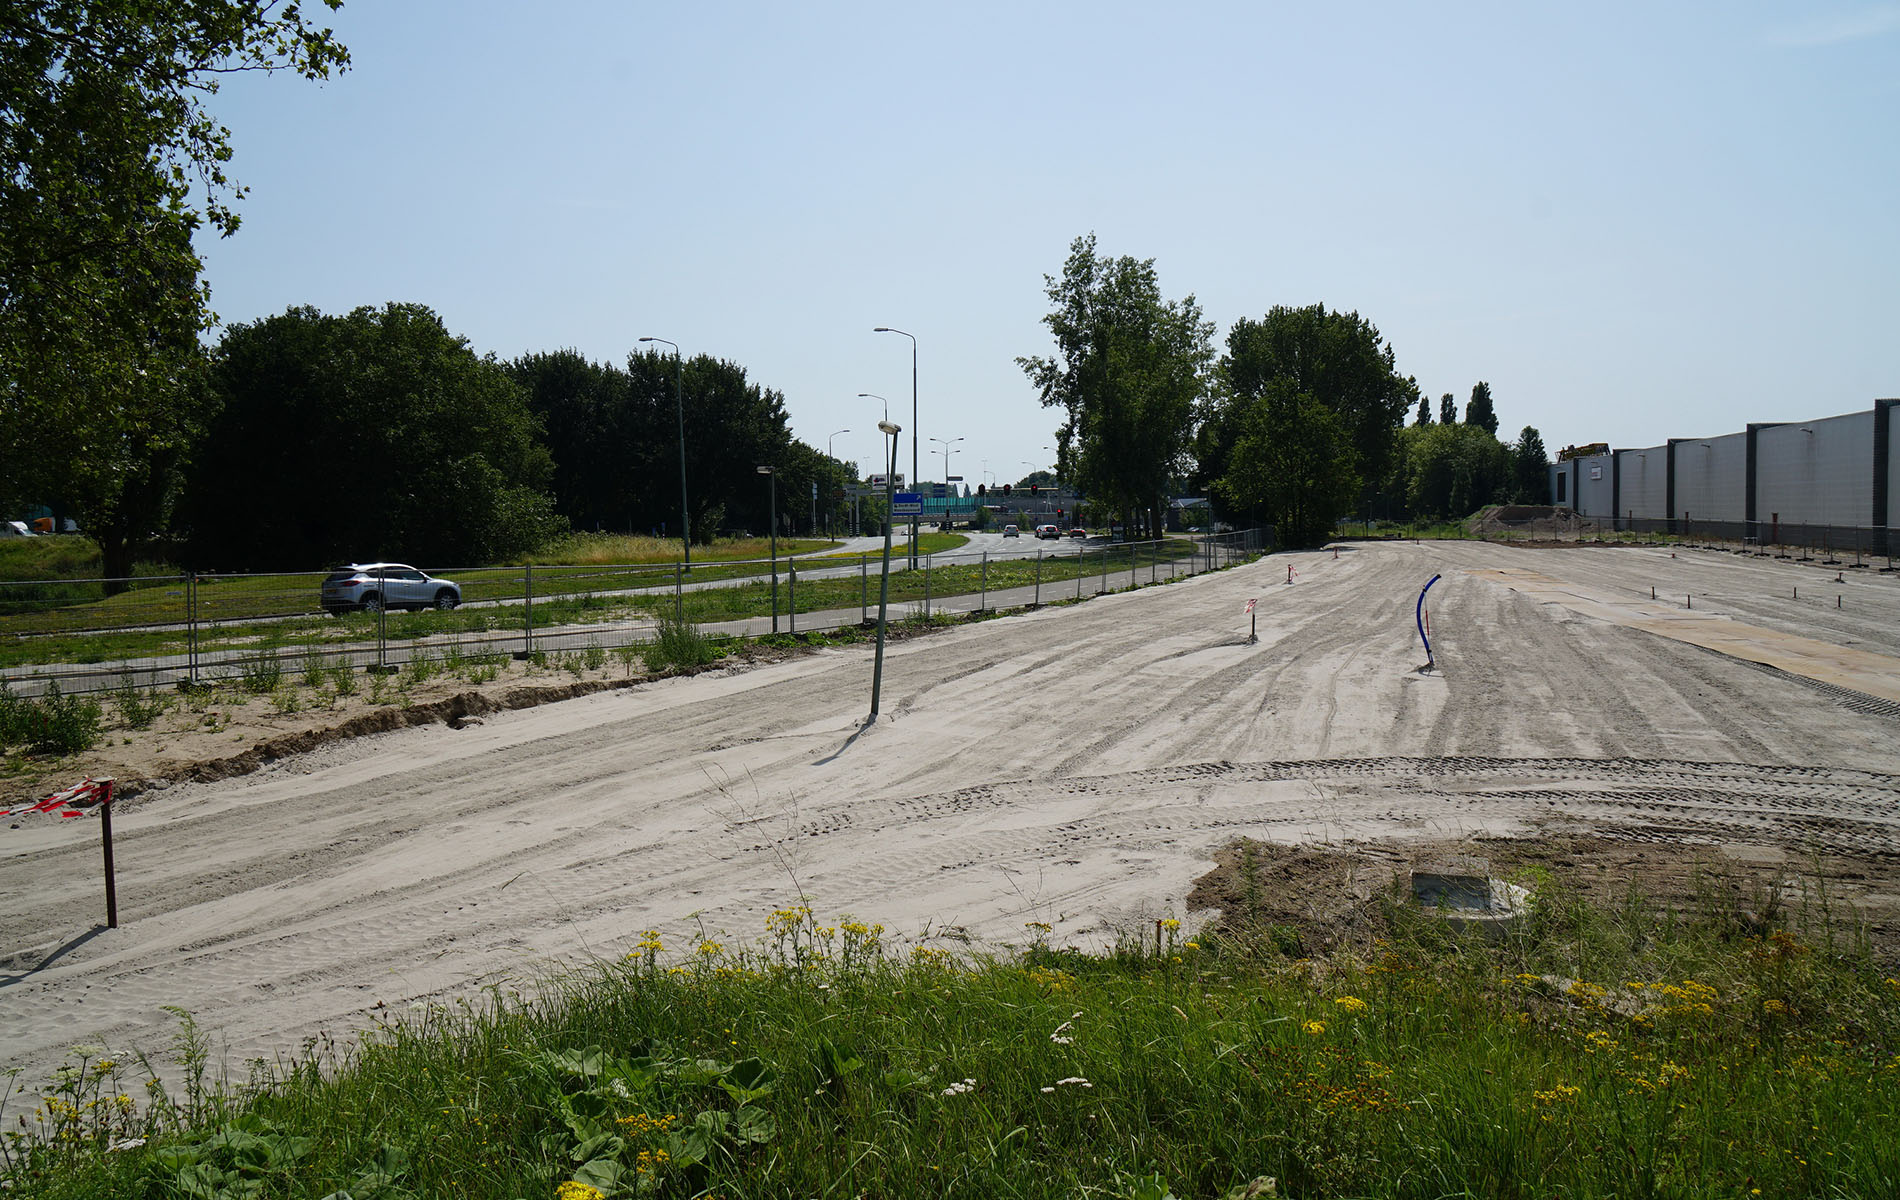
column 1077, row 765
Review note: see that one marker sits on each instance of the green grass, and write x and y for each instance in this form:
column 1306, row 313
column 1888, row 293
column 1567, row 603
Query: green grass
column 1687, row 1061
column 151, row 623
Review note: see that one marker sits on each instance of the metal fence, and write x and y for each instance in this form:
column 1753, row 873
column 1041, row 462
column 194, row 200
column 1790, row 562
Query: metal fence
column 195, row 630
column 1830, row 545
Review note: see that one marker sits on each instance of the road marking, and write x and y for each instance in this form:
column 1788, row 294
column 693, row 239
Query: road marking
column 1857, row 670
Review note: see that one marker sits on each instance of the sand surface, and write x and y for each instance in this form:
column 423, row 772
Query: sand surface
column 1078, row 766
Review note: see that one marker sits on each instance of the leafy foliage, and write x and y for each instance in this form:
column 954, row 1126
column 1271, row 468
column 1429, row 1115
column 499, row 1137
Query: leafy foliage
column 113, row 161
column 1128, row 370
column 1479, row 412
column 1530, row 468
column 391, row 438
column 1311, row 405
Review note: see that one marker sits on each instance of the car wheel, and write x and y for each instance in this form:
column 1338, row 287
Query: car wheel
column 445, row 600
column 371, row 603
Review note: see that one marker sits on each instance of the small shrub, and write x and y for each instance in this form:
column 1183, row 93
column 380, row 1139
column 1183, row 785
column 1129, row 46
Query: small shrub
column 421, row 668
column 16, row 717
column 137, row 710
column 679, row 645
column 312, row 669
column 594, row 657
column 64, row 724
column 261, row 676
column 343, row 679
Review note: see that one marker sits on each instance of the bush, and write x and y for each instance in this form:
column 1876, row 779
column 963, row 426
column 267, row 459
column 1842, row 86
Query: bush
column 679, row 645
column 63, row 724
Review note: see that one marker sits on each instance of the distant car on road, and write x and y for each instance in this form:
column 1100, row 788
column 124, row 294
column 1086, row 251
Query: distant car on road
column 1079, row 533
column 1047, row 531
column 370, row 587
column 1011, row 531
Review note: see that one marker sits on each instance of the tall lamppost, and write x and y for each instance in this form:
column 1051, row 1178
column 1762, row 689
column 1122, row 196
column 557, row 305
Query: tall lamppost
column 679, row 410
column 831, row 505
column 915, row 522
column 884, row 580
column 772, row 492
column 946, row 464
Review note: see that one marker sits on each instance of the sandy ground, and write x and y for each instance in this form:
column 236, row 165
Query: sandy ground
column 1080, row 766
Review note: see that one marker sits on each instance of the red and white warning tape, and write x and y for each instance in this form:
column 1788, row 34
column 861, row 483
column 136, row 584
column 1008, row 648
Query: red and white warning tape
column 64, row 802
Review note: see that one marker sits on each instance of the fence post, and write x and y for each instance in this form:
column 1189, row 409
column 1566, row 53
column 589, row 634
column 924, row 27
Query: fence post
column 679, row 595
column 105, row 839
column 864, row 589
column 1154, row 563
column 983, row 600
column 1105, row 554
column 1038, row 603
column 927, row 559
column 527, row 617
column 191, row 620
column 1131, row 566
column 382, row 619
column 791, row 594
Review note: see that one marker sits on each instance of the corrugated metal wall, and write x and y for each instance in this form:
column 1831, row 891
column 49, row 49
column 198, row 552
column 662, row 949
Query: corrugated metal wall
column 1817, row 472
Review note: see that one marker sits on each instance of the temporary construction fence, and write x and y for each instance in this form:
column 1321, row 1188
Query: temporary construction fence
column 193, row 630
column 1800, row 541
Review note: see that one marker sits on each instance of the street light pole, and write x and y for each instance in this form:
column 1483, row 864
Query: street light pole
column 679, row 410
column 884, row 580
column 946, row 464
column 831, row 505
column 772, row 515
column 915, row 522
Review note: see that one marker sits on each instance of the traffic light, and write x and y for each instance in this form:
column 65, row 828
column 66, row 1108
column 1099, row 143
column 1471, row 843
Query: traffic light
column 1058, row 514
column 980, row 491
column 1006, row 489
column 1032, row 488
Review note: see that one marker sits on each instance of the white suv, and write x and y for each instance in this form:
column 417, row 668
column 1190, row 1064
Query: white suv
column 372, row 586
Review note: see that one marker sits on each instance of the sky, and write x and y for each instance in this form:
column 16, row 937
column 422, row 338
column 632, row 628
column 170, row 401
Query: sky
column 1635, row 221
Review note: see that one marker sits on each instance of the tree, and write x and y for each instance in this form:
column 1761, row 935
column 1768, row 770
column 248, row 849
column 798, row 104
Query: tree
column 1479, row 411
column 1453, row 470
column 612, row 437
column 1447, row 410
column 1334, row 360
column 1530, row 468
column 1294, row 459
column 1128, row 370
column 113, row 162
column 373, row 435
column 1424, row 411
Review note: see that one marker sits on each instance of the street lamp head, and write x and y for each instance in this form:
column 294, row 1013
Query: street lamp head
column 646, row 339
column 888, row 427
column 882, row 329
column 765, row 470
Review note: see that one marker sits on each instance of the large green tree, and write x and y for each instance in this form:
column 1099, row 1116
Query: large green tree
column 373, row 435
column 1293, row 460
column 1304, row 375
column 1530, row 468
column 1128, row 371
column 113, row 161
column 1479, row 411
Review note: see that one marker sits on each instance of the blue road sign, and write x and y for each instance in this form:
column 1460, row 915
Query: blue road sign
column 907, row 504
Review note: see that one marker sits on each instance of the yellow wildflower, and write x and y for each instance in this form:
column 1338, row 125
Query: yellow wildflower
column 1313, row 1027
column 1351, row 1004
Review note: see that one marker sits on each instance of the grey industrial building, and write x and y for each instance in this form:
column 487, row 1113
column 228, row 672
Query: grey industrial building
column 1831, row 482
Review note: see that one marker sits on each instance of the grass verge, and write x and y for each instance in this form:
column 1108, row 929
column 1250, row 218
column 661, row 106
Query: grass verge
column 819, row 1060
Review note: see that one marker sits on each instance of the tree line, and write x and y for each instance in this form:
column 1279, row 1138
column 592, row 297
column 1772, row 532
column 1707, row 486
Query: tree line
column 1300, row 423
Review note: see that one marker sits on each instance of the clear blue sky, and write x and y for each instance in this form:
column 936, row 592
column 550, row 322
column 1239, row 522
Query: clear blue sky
column 1636, row 221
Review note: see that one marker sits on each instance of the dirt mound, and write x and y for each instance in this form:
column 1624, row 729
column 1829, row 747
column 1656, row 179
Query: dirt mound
column 1526, row 518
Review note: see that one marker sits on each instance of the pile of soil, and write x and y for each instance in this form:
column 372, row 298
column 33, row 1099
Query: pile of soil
column 1545, row 519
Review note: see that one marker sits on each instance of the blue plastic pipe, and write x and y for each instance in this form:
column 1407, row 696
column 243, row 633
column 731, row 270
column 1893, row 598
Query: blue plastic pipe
column 1420, row 617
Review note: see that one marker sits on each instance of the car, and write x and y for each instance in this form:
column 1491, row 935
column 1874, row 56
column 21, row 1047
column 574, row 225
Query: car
column 371, row 587
column 1011, row 531
column 1079, row 533
column 1047, row 531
